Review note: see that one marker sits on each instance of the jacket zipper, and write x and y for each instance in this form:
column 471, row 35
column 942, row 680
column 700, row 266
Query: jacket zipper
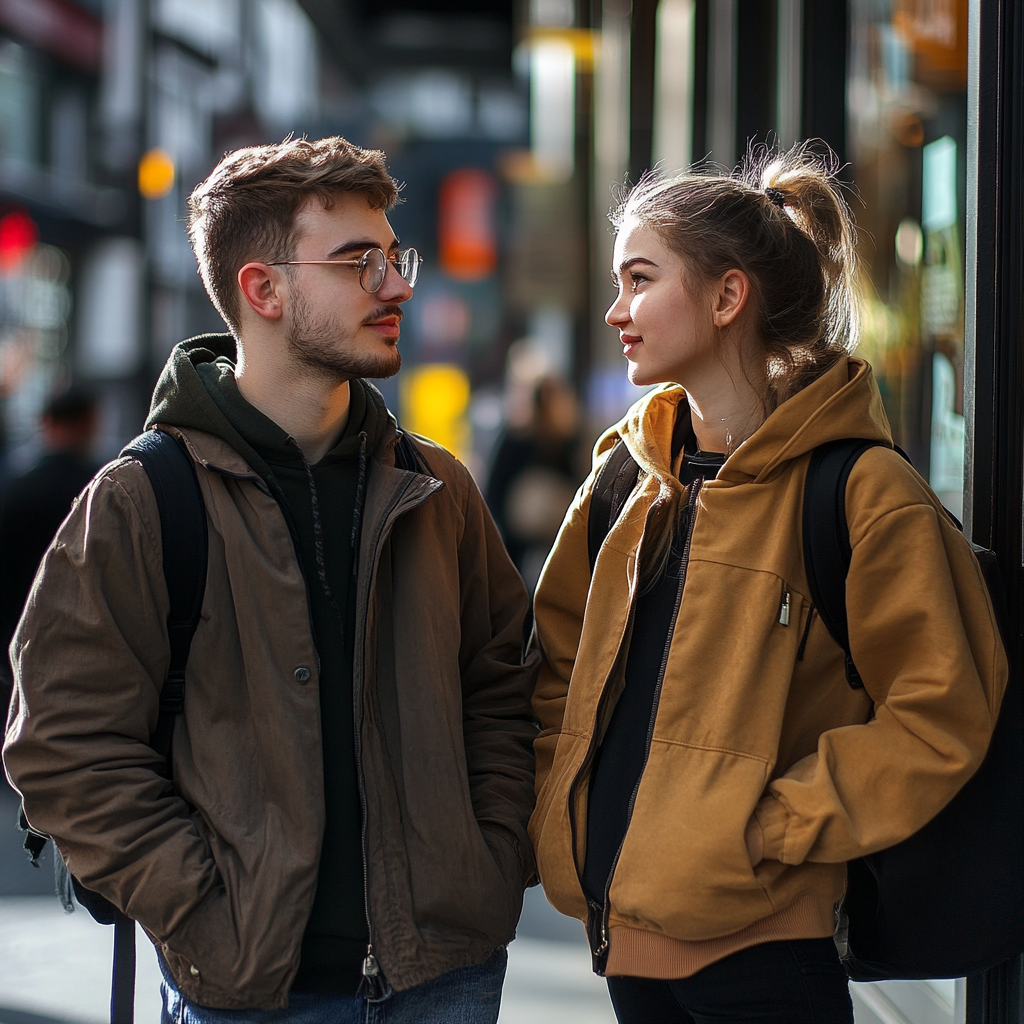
column 373, row 985
column 784, row 608
column 598, row 916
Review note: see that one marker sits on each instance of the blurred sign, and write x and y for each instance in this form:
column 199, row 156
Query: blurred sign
column 18, row 236
column 936, row 32
column 65, row 30
column 467, row 234
column 156, row 174
column 435, row 403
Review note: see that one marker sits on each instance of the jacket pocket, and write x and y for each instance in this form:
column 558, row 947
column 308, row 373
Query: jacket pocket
column 684, row 866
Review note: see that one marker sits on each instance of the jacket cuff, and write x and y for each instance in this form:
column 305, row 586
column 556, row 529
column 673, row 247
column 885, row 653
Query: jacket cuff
column 772, row 816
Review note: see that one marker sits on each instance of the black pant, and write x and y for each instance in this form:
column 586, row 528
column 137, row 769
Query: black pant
column 795, row 982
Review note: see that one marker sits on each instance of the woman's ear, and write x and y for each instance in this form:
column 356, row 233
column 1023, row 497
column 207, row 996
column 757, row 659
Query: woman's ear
column 730, row 297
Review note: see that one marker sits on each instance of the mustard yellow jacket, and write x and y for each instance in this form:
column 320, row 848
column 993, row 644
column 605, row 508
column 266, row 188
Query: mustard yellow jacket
column 746, row 724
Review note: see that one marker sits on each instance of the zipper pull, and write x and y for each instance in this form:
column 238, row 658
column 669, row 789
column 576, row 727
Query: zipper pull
column 784, row 610
column 372, row 986
column 370, row 966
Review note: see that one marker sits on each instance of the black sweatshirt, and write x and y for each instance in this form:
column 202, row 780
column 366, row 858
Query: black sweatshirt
column 619, row 763
column 335, row 940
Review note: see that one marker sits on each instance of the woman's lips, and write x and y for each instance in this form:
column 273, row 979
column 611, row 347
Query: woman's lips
column 630, row 342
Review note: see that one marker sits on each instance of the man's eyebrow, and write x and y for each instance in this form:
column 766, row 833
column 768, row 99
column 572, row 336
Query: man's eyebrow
column 360, row 245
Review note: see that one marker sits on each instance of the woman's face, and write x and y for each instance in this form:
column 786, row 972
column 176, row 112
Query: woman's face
column 666, row 330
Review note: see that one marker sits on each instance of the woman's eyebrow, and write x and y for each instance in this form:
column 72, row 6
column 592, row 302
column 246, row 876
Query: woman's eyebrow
column 632, row 261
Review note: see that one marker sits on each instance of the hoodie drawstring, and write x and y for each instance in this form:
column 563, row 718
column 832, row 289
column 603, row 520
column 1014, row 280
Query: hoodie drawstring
column 357, row 512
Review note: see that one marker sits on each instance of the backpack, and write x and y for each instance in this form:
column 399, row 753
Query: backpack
column 949, row 900
column 183, row 534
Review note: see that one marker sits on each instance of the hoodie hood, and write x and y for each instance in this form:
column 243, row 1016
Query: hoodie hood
column 843, row 402
column 184, row 398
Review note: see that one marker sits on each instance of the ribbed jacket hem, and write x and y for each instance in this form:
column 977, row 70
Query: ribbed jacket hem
column 642, row 954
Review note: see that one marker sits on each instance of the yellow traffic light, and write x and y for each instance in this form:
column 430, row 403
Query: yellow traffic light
column 156, row 174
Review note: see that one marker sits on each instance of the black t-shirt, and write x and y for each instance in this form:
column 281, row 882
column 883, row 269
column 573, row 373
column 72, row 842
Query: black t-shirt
column 620, row 760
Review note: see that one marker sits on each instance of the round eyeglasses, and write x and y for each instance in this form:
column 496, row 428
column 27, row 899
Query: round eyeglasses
column 373, row 266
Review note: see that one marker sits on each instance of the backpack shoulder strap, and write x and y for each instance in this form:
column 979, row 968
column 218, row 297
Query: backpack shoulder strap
column 183, row 532
column 615, row 482
column 826, row 537
column 409, row 456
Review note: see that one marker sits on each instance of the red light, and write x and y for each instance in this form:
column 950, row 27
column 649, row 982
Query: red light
column 18, row 237
column 467, row 233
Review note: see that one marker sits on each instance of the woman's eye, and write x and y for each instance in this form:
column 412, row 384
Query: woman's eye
column 635, row 280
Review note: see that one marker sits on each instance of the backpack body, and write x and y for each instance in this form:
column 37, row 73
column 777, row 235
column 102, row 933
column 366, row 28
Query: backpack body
column 949, row 900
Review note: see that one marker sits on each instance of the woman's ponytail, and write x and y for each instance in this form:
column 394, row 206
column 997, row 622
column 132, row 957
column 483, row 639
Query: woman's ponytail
column 810, row 195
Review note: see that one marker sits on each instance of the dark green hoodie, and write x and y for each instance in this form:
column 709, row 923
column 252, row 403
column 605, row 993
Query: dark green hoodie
column 197, row 389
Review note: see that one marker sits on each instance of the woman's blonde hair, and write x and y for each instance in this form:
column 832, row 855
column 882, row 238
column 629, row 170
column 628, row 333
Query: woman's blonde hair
column 780, row 218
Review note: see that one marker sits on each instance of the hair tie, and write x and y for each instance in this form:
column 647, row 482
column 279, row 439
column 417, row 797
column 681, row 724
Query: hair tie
column 776, row 196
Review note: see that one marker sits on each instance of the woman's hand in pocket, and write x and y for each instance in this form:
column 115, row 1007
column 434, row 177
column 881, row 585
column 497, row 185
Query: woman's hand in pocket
column 754, row 838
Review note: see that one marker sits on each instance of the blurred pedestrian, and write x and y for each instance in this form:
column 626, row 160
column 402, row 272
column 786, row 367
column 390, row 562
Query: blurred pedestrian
column 535, row 473
column 353, row 774
column 36, row 502
column 706, row 769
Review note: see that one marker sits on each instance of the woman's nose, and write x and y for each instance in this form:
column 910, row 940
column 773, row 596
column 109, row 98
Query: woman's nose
column 618, row 312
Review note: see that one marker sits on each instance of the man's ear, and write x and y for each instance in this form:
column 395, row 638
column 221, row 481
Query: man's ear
column 730, row 297
column 263, row 288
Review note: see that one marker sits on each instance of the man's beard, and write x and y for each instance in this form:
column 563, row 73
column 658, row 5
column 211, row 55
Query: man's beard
column 318, row 344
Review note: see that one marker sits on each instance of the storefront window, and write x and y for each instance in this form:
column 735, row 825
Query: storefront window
column 908, row 124
column 907, row 101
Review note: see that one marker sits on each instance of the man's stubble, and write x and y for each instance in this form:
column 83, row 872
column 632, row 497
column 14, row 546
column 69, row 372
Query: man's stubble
column 325, row 347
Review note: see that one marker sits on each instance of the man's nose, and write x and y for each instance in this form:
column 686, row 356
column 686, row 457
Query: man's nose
column 394, row 287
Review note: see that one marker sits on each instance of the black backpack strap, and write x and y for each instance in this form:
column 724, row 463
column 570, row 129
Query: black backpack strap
column 615, row 482
column 183, row 532
column 408, row 455
column 826, row 537
column 122, row 980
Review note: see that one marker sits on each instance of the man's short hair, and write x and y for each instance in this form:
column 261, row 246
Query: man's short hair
column 245, row 210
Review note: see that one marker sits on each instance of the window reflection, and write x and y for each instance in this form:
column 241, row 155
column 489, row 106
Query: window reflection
column 908, row 121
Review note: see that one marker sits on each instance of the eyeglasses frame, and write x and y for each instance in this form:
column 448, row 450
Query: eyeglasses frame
column 361, row 264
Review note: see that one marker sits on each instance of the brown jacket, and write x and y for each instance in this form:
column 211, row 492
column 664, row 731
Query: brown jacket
column 748, row 723
column 221, row 869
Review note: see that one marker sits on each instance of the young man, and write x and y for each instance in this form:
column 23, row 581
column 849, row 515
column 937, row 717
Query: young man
column 353, row 772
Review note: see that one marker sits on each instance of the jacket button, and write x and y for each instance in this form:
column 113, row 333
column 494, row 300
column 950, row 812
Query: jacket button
column 302, row 674
column 194, row 971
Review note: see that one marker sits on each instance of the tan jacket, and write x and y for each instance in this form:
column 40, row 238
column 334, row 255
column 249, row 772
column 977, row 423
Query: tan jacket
column 221, row 870
column 745, row 724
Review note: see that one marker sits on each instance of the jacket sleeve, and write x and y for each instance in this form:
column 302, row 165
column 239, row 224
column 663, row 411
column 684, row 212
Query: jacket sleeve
column 925, row 640
column 497, row 681
column 90, row 655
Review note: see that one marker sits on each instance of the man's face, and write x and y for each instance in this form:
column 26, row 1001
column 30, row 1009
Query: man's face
column 333, row 327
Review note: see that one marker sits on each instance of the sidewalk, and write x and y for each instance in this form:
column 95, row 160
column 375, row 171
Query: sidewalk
column 55, row 969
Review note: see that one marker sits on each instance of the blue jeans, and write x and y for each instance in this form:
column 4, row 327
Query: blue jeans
column 467, row 995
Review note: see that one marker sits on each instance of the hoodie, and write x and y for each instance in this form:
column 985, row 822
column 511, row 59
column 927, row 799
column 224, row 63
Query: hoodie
column 321, row 502
column 753, row 717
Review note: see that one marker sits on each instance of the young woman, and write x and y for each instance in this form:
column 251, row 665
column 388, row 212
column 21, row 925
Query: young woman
column 704, row 768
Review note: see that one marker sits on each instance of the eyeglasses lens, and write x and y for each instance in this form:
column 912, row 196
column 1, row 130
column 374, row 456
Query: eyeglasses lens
column 371, row 272
column 409, row 266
